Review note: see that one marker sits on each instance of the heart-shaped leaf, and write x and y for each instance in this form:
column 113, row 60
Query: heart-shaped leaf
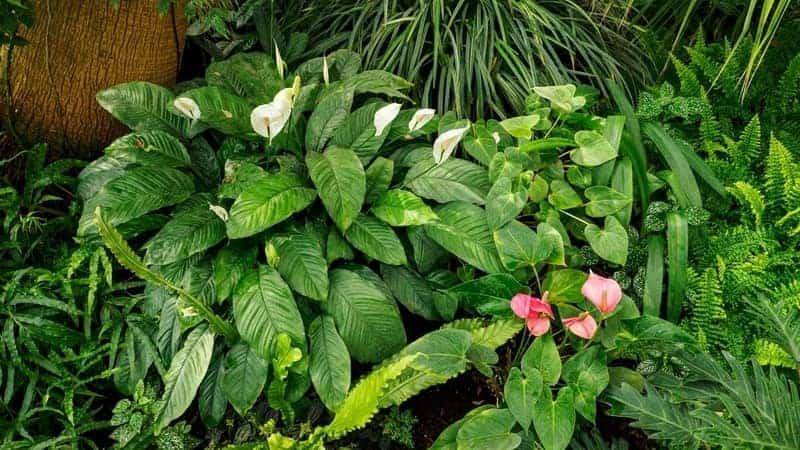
column 593, row 149
column 604, row 201
column 610, row 242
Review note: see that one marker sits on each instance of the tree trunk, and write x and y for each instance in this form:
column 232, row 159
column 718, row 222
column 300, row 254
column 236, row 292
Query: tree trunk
column 77, row 48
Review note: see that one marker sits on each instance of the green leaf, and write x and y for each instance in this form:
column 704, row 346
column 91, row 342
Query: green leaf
column 136, row 193
column 547, row 232
column 401, row 208
column 654, row 281
column 428, row 255
column 543, row 356
column 329, row 362
column 263, row 307
column 504, row 202
column 194, row 229
column 453, row 180
column 562, row 196
column 266, row 202
column 211, row 400
column 221, row 110
column 587, row 374
column 368, row 321
column 341, row 183
column 379, row 176
column 520, row 393
column 377, row 82
column 337, row 248
column 611, row 242
column 463, row 231
column 144, row 106
column 521, row 127
column 245, row 376
column 490, row 429
column 150, row 148
column 184, row 376
column 481, row 147
column 252, row 75
column 358, row 133
column 302, row 263
column 376, row 240
column 411, row 290
column 686, row 184
column 678, row 254
column 230, row 265
column 622, row 181
column 604, row 201
column 519, row 246
column 554, row 421
column 488, row 294
column 593, row 149
column 564, row 285
column 329, row 114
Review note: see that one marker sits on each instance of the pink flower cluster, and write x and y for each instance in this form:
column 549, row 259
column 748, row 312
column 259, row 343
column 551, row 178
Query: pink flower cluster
column 604, row 293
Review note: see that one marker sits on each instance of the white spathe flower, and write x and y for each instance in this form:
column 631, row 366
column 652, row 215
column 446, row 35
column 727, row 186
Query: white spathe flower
column 420, row 118
column 446, row 143
column 326, row 76
column 221, row 212
column 187, row 107
column 385, row 116
column 496, row 137
column 268, row 120
column 279, row 61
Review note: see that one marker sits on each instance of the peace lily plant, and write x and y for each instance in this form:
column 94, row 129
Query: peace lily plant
column 284, row 227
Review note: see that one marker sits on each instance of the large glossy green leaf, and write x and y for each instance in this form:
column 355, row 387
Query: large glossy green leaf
column 401, row 208
column 253, row 76
column 341, row 183
column 150, row 148
column 222, row 110
column 329, row 114
column 263, row 307
column 543, row 356
column 604, row 200
column 211, row 400
column 521, row 392
column 192, row 230
column 185, row 374
column 504, row 202
column 379, row 177
column 329, row 362
column 245, row 376
column 144, row 106
column 452, row 180
column 368, row 321
column 358, row 133
column 136, row 193
column 411, row 290
column 490, row 429
column 302, row 263
column 593, row 149
column 586, row 372
column 609, row 242
column 376, row 240
column 488, row 294
column 554, row 421
column 428, row 255
column 564, row 285
column 482, row 147
column 463, row 231
column 678, row 254
column 230, row 265
column 519, row 246
column 266, row 202
column 377, row 82
column 562, row 196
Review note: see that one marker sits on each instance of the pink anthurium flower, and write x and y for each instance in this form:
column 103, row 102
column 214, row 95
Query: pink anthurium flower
column 537, row 312
column 604, row 293
column 583, row 325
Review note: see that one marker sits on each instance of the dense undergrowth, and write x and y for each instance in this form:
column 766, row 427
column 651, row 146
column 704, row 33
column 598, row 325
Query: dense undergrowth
column 289, row 247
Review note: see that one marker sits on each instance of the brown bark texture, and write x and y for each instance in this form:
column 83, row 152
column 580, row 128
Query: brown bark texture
column 77, row 48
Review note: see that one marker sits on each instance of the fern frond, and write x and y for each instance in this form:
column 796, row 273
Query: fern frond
column 690, row 85
column 782, row 177
column 750, row 196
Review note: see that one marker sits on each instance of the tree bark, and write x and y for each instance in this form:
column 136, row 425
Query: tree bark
column 77, row 48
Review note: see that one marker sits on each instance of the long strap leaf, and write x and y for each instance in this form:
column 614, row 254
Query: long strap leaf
column 631, row 145
column 130, row 260
column 678, row 252
column 676, row 161
column 654, row 281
